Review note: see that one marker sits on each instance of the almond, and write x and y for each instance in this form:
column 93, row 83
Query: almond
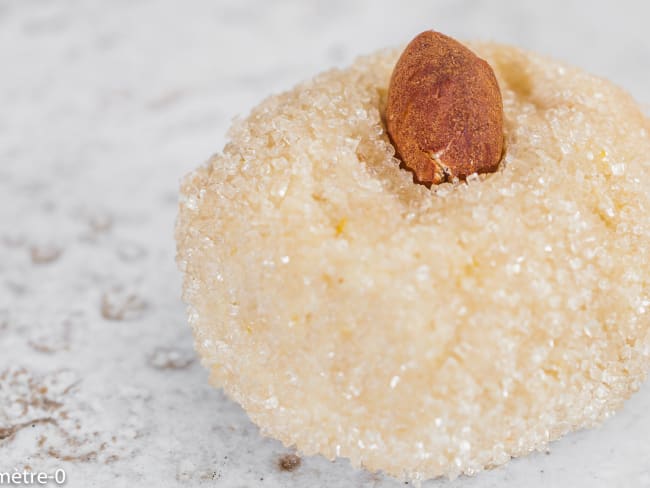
column 444, row 113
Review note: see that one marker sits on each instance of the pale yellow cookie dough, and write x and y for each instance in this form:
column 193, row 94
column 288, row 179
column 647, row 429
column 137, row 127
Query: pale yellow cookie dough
column 424, row 332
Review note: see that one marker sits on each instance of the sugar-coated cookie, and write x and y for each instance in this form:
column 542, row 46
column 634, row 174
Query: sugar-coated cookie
column 424, row 331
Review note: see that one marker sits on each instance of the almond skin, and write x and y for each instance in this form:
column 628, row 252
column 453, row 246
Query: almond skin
column 444, row 113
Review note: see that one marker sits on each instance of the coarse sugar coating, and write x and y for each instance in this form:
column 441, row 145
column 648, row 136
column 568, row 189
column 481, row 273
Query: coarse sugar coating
column 424, row 332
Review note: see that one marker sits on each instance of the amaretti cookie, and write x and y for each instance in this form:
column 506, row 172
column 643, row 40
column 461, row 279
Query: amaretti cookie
column 425, row 329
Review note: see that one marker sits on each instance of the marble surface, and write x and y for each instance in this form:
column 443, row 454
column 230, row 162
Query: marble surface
column 104, row 106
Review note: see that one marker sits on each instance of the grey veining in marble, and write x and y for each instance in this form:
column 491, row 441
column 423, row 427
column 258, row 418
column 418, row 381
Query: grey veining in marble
column 103, row 107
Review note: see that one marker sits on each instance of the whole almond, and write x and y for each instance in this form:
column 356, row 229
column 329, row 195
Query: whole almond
column 444, row 113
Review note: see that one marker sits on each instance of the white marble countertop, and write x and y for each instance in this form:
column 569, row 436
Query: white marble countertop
column 103, row 106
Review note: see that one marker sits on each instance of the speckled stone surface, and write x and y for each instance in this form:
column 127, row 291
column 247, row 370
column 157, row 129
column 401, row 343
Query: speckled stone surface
column 105, row 105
